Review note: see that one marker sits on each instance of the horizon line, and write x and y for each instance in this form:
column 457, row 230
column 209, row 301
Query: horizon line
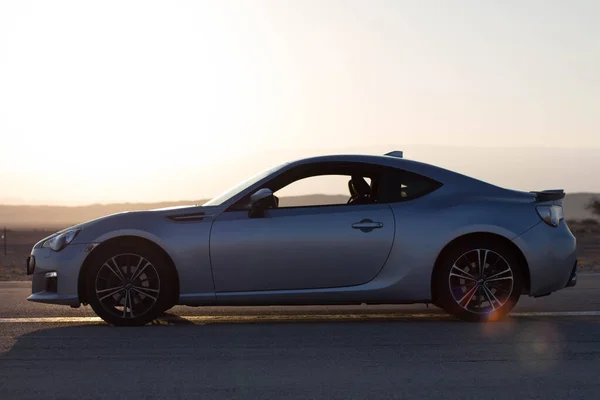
column 194, row 202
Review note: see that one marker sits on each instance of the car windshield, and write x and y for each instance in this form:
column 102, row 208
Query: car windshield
column 220, row 199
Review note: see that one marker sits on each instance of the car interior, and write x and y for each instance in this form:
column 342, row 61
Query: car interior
column 367, row 184
column 360, row 191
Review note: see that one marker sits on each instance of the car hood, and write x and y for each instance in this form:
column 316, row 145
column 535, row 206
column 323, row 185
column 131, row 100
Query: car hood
column 137, row 215
column 126, row 219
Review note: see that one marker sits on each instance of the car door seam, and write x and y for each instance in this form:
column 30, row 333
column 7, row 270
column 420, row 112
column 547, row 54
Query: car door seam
column 210, row 263
column 392, row 245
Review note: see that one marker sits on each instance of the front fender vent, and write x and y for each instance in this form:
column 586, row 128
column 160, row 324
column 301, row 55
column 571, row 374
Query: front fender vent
column 198, row 216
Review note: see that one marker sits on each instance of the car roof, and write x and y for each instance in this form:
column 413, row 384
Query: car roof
column 421, row 168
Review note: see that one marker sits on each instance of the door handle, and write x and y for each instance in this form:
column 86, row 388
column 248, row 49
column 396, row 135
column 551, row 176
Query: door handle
column 367, row 225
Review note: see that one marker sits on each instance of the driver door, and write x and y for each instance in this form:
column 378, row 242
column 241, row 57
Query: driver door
column 301, row 247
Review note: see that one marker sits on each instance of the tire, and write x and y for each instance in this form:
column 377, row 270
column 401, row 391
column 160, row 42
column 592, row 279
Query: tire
column 463, row 291
column 129, row 284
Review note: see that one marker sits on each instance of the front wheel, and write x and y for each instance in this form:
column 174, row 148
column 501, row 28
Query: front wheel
column 480, row 280
column 129, row 285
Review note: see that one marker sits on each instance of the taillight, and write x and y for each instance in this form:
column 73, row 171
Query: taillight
column 552, row 215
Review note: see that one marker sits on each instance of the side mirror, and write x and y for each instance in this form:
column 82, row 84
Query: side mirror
column 260, row 201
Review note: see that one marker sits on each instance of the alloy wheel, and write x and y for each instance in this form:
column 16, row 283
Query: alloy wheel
column 481, row 281
column 127, row 285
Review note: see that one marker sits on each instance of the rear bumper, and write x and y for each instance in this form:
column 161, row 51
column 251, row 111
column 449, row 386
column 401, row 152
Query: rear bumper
column 551, row 255
column 573, row 279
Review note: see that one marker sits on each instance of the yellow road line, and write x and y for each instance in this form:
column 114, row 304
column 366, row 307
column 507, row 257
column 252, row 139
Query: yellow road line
column 200, row 319
column 311, row 317
column 43, row 320
column 239, row 318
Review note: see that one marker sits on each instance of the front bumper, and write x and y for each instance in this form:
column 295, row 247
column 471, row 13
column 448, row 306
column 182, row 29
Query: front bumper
column 56, row 274
column 551, row 255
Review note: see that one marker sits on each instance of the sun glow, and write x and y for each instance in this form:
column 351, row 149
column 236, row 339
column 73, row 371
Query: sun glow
column 147, row 101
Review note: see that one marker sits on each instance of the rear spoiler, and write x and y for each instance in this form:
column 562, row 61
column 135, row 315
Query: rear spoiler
column 549, row 195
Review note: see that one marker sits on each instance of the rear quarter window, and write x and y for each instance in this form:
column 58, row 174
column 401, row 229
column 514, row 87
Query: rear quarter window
column 399, row 185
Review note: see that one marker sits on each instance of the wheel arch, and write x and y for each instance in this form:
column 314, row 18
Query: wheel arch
column 131, row 239
column 490, row 236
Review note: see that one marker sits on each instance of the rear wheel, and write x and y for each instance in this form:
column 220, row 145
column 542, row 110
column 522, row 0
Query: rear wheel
column 478, row 280
column 129, row 285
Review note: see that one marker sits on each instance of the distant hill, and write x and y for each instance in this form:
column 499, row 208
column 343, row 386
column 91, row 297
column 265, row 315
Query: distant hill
column 43, row 217
column 574, row 205
column 63, row 216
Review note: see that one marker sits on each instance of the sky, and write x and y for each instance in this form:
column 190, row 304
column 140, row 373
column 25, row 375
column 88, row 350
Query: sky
column 157, row 101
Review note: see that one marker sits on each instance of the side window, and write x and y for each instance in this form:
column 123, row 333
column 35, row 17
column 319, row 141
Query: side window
column 322, row 184
column 401, row 185
column 317, row 190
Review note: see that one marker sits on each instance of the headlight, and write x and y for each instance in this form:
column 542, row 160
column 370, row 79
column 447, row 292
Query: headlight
column 552, row 215
column 59, row 242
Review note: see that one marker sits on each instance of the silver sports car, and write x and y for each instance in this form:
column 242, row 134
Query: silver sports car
column 409, row 232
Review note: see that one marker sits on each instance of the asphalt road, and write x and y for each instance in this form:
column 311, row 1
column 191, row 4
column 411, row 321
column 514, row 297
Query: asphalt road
column 548, row 348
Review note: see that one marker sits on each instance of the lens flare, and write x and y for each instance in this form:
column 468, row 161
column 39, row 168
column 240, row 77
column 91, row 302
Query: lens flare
column 538, row 346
